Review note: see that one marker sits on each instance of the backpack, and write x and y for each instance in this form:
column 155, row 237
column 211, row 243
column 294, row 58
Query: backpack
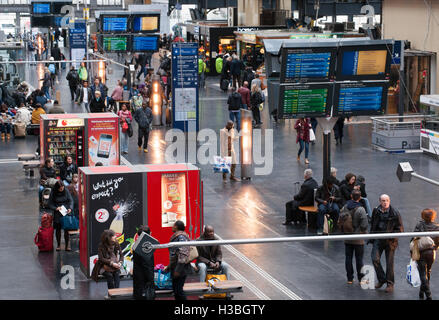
column 219, row 65
column 52, row 68
column 44, row 239
column 345, row 220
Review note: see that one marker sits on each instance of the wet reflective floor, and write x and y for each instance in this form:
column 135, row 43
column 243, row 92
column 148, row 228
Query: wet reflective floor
column 248, row 209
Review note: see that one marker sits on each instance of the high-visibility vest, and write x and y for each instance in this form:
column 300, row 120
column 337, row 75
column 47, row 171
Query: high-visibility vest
column 219, row 65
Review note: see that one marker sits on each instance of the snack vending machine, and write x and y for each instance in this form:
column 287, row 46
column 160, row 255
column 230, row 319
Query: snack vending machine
column 174, row 192
column 112, row 197
column 88, row 137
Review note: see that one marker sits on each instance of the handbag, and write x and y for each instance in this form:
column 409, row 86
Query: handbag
column 69, row 222
column 413, row 274
column 222, row 164
column 414, row 248
column 312, row 136
column 125, row 127
column 193, row 254
column 162, row 280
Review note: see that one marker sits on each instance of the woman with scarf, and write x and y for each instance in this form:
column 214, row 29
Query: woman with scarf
column 67, row 170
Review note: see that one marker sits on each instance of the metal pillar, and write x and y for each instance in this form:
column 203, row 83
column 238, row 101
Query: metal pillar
column 326, row 124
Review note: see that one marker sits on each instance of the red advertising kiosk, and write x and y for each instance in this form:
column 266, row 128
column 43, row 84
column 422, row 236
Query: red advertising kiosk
column 122, row 198
column 88, row 137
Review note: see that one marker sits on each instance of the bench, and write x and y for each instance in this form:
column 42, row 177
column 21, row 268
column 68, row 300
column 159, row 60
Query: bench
column 312, row 223
column 33, row 129
column 26, row 156
column 190, row 288
column 29, row 167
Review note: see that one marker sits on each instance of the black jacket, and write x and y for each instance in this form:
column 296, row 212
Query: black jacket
column 346, row 190
column 97, row 106
column 234, row 101
column 210, row 253
column 58, row 199
column 323, row 194
column 235, row 67
column 306, row 195
column 66, row 172
column 73, row 78
column 394, row 225
column 255, row 99
column 81, row 95
column 56, row 54
column 143, row 275
column 423, row 226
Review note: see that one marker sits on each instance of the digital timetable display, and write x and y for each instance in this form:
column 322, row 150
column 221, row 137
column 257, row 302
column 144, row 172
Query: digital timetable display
column 360, row 98
column 306, row 100
column 41, row 8
column 145, row 43
column 115, row 44
column 310, row 65
column 114, row 24
column 146, row 23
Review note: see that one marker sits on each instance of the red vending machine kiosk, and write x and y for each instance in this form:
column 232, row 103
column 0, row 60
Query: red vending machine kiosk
column 112, row 197
column 88, row 137
column 174, row 192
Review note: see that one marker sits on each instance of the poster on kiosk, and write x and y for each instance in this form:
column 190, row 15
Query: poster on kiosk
column 88, row 137
column 112, row 197
column 175, row 192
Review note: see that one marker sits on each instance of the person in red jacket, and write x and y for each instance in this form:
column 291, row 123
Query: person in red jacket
column 302, row 127
column 245, row 94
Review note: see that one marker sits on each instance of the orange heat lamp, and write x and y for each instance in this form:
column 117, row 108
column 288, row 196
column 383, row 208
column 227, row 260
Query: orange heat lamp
column 101, row 70
column 156, row 101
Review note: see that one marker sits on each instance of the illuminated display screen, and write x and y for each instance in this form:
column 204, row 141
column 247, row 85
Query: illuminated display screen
column 118, row 24
column 145, row 43
column 369, row 62
column 361, row 98
column 146, row 23
column 41, row 7
column 115, row 43
column 305, row 100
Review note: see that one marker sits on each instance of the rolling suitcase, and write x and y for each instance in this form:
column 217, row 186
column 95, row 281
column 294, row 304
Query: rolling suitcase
column 224, row 84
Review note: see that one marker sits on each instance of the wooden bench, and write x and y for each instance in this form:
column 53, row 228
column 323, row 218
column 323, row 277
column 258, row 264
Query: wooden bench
column 29, row 167
column 190, row 288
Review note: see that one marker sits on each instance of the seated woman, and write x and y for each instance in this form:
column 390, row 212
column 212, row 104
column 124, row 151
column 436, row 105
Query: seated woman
column 110, row 259
column 67, row 170
column 36, row 114
column 46, row 172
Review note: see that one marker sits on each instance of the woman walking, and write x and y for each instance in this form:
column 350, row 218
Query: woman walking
column 60, row 199
column 255, row 101
column 427, row 253
column 110, row 259
column 302, row 127
column 125, row 119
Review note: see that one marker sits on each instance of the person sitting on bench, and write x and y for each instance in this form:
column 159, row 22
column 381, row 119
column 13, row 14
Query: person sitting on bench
column 329, row 198
column 304, row 198
column 210, row 256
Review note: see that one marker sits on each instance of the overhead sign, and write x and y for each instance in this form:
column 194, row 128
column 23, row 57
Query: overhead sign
column 78, row 35
column 185, row 86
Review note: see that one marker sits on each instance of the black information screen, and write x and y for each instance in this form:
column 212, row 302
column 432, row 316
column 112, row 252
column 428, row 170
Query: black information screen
column 114, row 24
column 360, row 98
column 305, row 100
column 311, row 65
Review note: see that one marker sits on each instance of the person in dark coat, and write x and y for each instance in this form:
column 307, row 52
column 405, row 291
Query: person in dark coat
column 234, row 103
column 427, row 255
column 97, row 104
column 110, row 260
column 67, row 170
column 60, row 197
column 385, row 219
column 56, row 54
column 338, row 130
column 143, row 272
column 304, row 198
column 177, row 260
column 347, row 186
column 211, row 256
column 235, row 70
column 73, row 188
column 328, row 198
column 73, row 79
column 143, row 117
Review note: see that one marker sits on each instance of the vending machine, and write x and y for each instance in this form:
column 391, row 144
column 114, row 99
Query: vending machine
column 88, row 137
column 174, row 192
column 112, row 197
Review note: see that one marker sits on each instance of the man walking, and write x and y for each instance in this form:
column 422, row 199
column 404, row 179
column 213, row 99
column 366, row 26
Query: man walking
column 385, row 219
column 235, row 70
column 73, row 79
column 235, row 101
column 244, row 91
column 143, row 117
column 353, row 220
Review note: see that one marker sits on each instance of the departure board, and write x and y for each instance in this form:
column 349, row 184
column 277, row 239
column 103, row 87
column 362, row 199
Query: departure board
column 145, row 43
column 114, row 24
column 147, row 23
column 39, row 8
column 308, row 65
column 360, row 98
column 115, row 44
column 307, row 100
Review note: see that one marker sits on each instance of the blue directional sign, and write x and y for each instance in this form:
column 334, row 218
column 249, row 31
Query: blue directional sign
column 78, row 36
column 185, row 86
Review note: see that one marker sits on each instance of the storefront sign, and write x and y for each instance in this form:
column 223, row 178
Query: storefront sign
column 173, row 198
column 70, row 123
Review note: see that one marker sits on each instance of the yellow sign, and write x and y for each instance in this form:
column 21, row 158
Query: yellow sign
column 86, row 13
column 371, row 62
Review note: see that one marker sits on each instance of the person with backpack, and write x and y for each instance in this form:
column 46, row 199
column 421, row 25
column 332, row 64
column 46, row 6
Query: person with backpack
column 143, row 117
column 353, row 220
column 428, row 252
column 73, row 79
column 235, row 102
column 47, row 82
column 255, row 101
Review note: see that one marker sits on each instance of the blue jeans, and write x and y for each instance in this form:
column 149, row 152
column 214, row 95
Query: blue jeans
column 46, row 92
column 224, row 269
column 305, row 145
column 330, row 208
column 5, row 128
column 380, row 246
column 236, row 115
column 124, row 139
column 350, row 249
column 367, row 205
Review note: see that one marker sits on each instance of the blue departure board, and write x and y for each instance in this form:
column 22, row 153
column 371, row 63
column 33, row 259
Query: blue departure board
column 114, row 24
column 145, row 43
column 361, row 99
column 308, row 65
column 41, row 8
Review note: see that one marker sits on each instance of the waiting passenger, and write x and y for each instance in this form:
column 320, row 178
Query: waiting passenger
column 47, row 175
column 328, row 198
column 356, row 224
column 67, row 170
column 361, row 182
column 347, row 186
column 334, row 174
column 385, row 219
column 143, row 273
column 304, row 198
column 73, row 188
column 210, row 256
column 36, row 114
column 428, row 253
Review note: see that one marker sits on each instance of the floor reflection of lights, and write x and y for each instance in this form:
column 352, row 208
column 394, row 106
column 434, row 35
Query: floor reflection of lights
column 40, row 73
column 157, row 146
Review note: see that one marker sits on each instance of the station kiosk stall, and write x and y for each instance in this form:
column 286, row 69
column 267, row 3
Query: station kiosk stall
column 88, row 137
column 430, row 126
column 122, row 198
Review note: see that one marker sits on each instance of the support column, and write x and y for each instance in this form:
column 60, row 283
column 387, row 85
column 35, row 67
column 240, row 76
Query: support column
column 326, row 124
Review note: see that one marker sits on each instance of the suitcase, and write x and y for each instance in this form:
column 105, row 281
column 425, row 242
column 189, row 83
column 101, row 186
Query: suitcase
column 44, row 239
column 225, row 84
column 19, row 130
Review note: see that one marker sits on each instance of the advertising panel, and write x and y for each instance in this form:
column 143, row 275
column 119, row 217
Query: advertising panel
column 173, row 198
column 103, row 141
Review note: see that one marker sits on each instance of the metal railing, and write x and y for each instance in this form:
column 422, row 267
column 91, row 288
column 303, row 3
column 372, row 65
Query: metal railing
column 369, row 236
column 392, row 125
